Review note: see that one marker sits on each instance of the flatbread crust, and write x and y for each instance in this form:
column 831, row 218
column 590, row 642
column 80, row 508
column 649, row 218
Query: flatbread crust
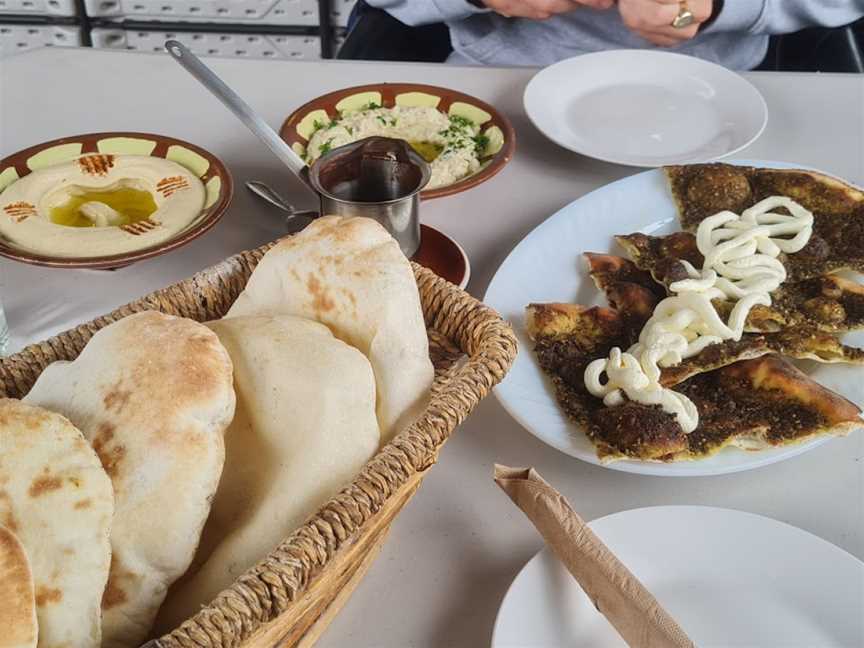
column 764, row 402
column 837, row 243
column 630, row 290
column 828, row 303
column 17, row 596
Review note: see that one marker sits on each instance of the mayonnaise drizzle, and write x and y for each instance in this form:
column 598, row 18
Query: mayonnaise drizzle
column 740, row 264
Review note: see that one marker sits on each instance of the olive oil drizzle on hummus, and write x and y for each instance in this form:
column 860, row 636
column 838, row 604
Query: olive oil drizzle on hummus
column 131, row 205
column 428, row 150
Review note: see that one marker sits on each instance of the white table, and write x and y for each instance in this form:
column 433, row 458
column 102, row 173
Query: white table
column 454, row 550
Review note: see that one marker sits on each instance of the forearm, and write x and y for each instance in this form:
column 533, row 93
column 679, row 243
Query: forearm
column 424, row 12
column 785, row 16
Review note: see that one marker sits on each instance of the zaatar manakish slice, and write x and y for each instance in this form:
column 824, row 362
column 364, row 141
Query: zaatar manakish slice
column 828, row 303
column 628, row 290
column 759, row 403
column 837, row 242
column 629, row 317
column 634, row 294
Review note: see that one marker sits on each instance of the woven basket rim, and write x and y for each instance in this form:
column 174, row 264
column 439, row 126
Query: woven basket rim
column 268, row 588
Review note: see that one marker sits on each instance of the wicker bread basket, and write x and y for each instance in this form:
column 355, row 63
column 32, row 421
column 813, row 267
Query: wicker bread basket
column 290, row 596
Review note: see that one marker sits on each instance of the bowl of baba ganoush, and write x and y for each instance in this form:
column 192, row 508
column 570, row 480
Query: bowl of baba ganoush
column 465, row 140
column 105, row 200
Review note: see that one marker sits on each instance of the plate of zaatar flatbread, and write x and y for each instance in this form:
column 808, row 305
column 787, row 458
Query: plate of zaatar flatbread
column 691, row 320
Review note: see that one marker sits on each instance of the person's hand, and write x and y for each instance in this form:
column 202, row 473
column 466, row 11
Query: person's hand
column 652, row 19
column 542, row 9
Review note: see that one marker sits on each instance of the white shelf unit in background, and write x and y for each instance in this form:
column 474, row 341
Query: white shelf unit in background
column 245, row 45
column 285, row 29
column 16, row 38
column 38, row 8
column 300, row 13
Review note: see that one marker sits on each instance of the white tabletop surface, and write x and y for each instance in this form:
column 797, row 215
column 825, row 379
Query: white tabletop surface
column 454, row 550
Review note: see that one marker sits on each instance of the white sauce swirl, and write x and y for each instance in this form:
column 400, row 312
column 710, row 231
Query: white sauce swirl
column 740, row 264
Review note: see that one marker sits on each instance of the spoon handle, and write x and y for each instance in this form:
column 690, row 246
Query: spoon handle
column 235, row 104
column 267, row 193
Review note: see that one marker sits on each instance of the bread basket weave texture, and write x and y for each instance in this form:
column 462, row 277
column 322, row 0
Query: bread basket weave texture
column 288, row 598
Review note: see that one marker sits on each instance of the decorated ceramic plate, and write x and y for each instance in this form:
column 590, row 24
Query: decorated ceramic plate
column 75, row 168
column 466, row 140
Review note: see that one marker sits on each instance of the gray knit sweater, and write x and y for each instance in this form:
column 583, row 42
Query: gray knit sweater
column 738, row 38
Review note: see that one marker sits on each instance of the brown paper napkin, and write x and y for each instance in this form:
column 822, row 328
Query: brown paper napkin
column 630, row 608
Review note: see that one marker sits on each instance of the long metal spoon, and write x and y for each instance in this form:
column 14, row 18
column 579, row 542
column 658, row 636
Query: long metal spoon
column 269, row 194
column 240, row 108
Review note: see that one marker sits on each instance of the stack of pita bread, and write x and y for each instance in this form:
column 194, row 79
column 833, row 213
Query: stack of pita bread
column 173, row 454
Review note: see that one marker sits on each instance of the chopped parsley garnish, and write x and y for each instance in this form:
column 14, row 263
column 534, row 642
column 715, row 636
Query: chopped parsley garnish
column 461, row 134
column 326, row 146
column 370, row 106
column 459, row 120
column 319, row 125
column 481, row 142
column 382, row 119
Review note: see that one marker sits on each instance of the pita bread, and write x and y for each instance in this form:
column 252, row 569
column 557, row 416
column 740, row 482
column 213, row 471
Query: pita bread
column 56, row 498
column 304, row 428
column 17, row 599
column 153, row 394
column 349, row 274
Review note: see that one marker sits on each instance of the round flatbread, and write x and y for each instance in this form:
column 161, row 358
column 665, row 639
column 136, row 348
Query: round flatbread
column 350, row 274
column 153, row 395
column 304, row 428
column 56, row 498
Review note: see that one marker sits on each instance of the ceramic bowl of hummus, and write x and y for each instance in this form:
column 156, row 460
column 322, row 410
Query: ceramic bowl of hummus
column 466, row 141
column 105, row 200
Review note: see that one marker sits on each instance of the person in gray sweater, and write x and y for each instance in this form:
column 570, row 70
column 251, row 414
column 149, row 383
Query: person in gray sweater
column 733, row 33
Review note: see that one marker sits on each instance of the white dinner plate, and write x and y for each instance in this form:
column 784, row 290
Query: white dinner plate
column 730, row 579
column 547, row 266
column 645, row 108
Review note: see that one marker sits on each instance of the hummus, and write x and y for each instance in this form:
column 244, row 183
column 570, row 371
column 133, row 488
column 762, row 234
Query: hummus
column 100, row 205
column 452, row 144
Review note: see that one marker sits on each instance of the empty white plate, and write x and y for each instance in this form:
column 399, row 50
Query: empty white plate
column 730, row 579
column 645, row 108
